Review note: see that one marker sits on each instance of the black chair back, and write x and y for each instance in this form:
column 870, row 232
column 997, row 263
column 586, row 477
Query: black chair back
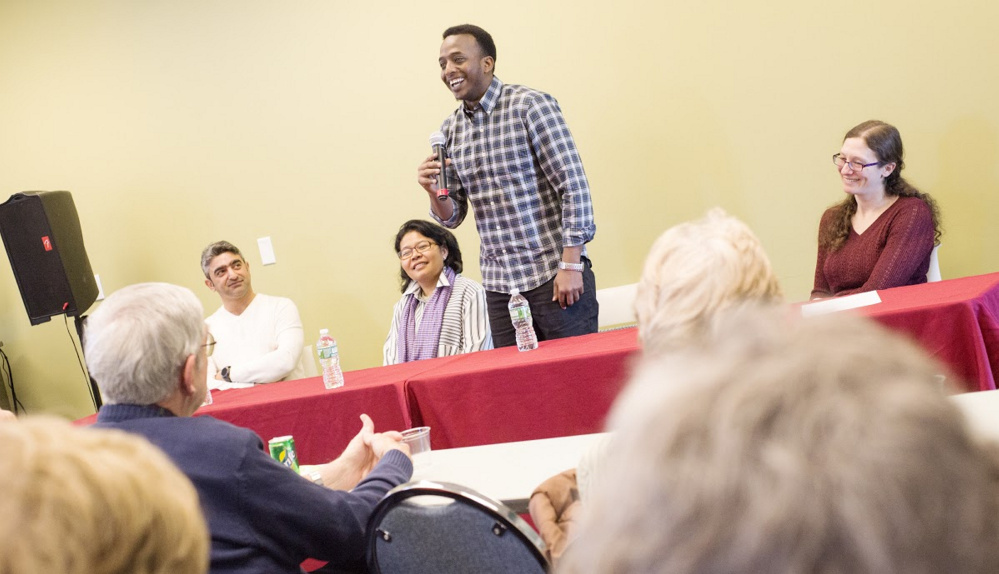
column 428, row 527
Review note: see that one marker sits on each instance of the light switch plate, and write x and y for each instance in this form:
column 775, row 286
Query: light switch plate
column 266, row 251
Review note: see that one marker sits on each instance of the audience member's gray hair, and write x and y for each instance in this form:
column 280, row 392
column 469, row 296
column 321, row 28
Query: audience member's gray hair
column 214, row 250
column 138, row 339
column 786, row 446
column 694, row 270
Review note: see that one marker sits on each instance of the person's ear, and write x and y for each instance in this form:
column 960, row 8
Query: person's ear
column 487, row 64
column 887, row 169
column 210, row 285
column 187, row 383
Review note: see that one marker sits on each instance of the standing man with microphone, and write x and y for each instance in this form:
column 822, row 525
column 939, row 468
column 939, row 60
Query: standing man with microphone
column 510, row 152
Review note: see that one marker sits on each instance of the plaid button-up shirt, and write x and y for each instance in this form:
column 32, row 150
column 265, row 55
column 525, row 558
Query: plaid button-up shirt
column 515, row 160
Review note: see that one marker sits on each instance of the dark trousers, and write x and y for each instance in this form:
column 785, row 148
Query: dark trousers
column 550, row 320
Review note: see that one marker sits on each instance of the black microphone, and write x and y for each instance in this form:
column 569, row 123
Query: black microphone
column 437, row 141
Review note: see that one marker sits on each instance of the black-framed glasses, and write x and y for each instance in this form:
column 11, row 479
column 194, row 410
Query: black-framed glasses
column 209, row 345
column 840, row 161
column 421, row 247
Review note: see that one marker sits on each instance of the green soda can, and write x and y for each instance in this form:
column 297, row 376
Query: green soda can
column 283, row 450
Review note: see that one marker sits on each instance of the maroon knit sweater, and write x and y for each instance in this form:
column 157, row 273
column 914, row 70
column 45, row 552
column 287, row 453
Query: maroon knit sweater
column 893, row 251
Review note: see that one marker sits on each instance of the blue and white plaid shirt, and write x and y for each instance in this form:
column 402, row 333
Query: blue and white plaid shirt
column 514, row 158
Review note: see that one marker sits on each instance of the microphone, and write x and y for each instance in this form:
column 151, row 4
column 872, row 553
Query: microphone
column 437, row 141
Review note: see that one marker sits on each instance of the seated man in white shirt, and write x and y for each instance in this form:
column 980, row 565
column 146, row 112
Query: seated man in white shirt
column 259, row 338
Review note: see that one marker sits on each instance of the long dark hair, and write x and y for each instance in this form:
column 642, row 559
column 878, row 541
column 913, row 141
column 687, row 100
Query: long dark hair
column 438, row 235
column 886, row 143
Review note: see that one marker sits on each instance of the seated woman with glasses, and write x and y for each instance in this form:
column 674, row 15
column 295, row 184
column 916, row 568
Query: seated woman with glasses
column 881, row 235
column 441, row 313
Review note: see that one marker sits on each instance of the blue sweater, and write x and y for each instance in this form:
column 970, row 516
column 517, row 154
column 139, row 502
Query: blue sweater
column 263, row 517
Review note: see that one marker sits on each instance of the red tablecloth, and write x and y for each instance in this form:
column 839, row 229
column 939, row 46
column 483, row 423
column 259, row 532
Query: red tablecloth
column 956, row 321
column 564, row 387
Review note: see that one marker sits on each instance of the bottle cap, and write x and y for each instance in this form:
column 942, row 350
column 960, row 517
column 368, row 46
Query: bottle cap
column 324, row 332
column 514, row 291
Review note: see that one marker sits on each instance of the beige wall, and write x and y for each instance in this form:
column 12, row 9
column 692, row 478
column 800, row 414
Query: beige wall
column 178, row 123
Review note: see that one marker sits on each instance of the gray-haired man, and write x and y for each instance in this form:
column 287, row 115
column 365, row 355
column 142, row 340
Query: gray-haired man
column 147, row 347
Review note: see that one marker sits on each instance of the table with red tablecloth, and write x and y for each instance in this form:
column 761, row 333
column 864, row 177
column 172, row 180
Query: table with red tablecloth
column 956, row 321
column 563, row 388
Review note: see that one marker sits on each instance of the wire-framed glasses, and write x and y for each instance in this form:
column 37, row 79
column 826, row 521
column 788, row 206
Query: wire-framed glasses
column 421, row 247
column 840, row 161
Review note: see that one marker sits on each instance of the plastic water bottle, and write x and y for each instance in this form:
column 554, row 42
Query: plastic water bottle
column 329, row 360
column 520, row 314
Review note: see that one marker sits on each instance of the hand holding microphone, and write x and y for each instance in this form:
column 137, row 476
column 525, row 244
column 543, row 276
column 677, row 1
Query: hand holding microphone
column 437, row 142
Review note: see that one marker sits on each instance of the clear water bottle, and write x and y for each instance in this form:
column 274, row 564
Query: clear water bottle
column 329, row 360
column 520, row 314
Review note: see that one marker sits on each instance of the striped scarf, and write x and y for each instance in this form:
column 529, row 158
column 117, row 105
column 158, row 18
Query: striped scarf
column 416, row 344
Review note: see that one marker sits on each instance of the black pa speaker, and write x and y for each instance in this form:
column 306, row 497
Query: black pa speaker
column 41, row 231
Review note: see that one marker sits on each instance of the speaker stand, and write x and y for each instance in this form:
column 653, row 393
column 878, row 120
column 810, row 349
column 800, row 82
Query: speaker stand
column 95, row 392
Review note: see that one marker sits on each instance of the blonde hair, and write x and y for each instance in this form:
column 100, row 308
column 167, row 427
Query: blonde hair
column 94, row 501
column 694, row 270
column 822, row 445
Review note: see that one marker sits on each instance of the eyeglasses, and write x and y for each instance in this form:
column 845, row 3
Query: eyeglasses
column 421, row 247
column 840, row 161
column 209, row 346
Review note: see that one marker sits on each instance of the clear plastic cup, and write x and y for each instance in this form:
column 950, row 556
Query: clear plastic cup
column 418, row 440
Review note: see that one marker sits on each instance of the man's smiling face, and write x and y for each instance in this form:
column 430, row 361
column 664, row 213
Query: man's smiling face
column 465, row 69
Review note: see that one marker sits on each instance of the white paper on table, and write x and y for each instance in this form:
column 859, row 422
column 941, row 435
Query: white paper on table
column 220, row 385
column 840, row 304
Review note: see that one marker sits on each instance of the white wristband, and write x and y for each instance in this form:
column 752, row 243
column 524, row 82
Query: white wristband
column 570, row 266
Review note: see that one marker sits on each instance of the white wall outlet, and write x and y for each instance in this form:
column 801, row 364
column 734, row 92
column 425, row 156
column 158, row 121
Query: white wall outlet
column 266, row 251
column 100, row 288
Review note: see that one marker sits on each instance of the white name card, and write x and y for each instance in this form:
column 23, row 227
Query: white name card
column 835, row 304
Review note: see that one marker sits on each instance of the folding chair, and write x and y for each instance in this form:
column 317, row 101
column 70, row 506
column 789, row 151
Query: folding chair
column 428, row 527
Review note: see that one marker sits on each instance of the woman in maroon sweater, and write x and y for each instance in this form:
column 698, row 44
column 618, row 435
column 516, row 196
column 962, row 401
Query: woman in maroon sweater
column 882, row 234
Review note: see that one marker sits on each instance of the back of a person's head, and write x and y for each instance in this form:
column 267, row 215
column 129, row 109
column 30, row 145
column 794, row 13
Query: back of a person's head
column 785, row 445
column 90, row 501
column 694, row 270
column 136, row 342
